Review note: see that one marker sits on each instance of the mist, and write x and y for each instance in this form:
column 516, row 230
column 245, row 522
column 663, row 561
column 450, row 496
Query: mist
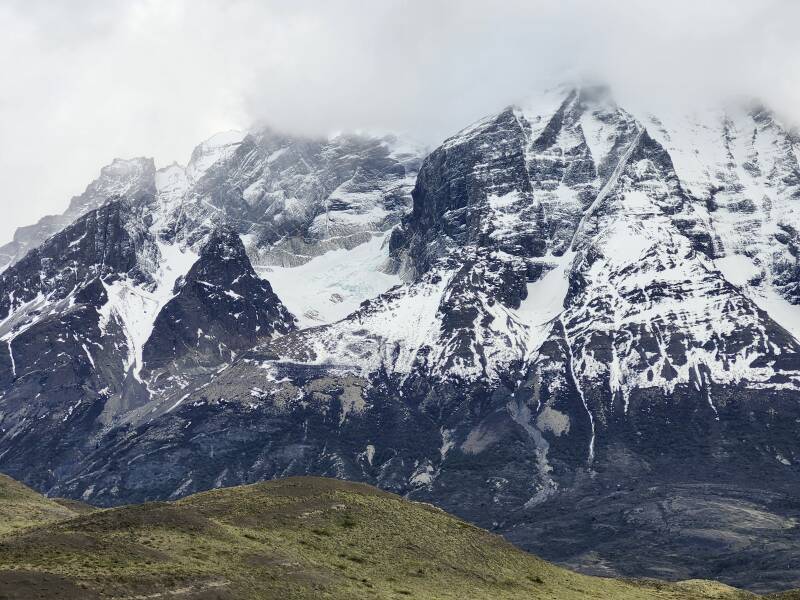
column 90, row 80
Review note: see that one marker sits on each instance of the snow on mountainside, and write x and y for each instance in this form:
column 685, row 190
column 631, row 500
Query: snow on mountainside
column 745, row 164
column 292, row 199
column 215, row 149
column 137, row 235
column 297, row 200
column 126, row 178
column 585, row 191
column 136, row 307
column 334, row 284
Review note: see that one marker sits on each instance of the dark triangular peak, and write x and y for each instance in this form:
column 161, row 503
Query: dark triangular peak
column 220, row 308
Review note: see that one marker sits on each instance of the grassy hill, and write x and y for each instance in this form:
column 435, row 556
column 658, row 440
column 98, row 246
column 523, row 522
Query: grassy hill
column 298, row 538
column 21, row 507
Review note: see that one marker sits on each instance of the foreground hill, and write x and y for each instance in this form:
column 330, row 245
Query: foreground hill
column 21, row 507
column 293, row 538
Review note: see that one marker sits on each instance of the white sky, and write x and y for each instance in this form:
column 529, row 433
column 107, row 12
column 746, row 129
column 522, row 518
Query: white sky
column 85, row 81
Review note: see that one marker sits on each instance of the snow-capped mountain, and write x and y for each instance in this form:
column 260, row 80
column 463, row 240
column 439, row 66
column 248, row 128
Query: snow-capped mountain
column 580, row 328
column 149, row 287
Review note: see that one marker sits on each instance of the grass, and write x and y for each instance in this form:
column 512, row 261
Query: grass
column 21, row 507
column 298, row 538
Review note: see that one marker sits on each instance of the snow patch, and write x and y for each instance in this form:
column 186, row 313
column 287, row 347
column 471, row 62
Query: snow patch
column 137, row 306
column 545, row 301
column 216, row 148
column 331, row 286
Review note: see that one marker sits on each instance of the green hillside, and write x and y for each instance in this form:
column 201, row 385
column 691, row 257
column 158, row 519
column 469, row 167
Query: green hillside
column 21, row 507
column 302, row 538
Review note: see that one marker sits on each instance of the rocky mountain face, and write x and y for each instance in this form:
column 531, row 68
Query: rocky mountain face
column 146, row 294
column 221, row 307
column 134, row 179
column 580, row 329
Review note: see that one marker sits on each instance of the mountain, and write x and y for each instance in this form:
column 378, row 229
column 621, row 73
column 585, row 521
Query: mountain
column 578, row 329
column 294, row 538
column 150, row 287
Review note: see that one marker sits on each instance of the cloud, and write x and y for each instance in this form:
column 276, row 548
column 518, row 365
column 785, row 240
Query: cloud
column 89, row 80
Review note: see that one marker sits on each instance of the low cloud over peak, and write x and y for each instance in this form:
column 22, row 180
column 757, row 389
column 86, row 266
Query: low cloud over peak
column 90, row 80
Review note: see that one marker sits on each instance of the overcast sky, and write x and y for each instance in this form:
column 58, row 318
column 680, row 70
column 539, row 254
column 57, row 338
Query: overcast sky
column 84, row 81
